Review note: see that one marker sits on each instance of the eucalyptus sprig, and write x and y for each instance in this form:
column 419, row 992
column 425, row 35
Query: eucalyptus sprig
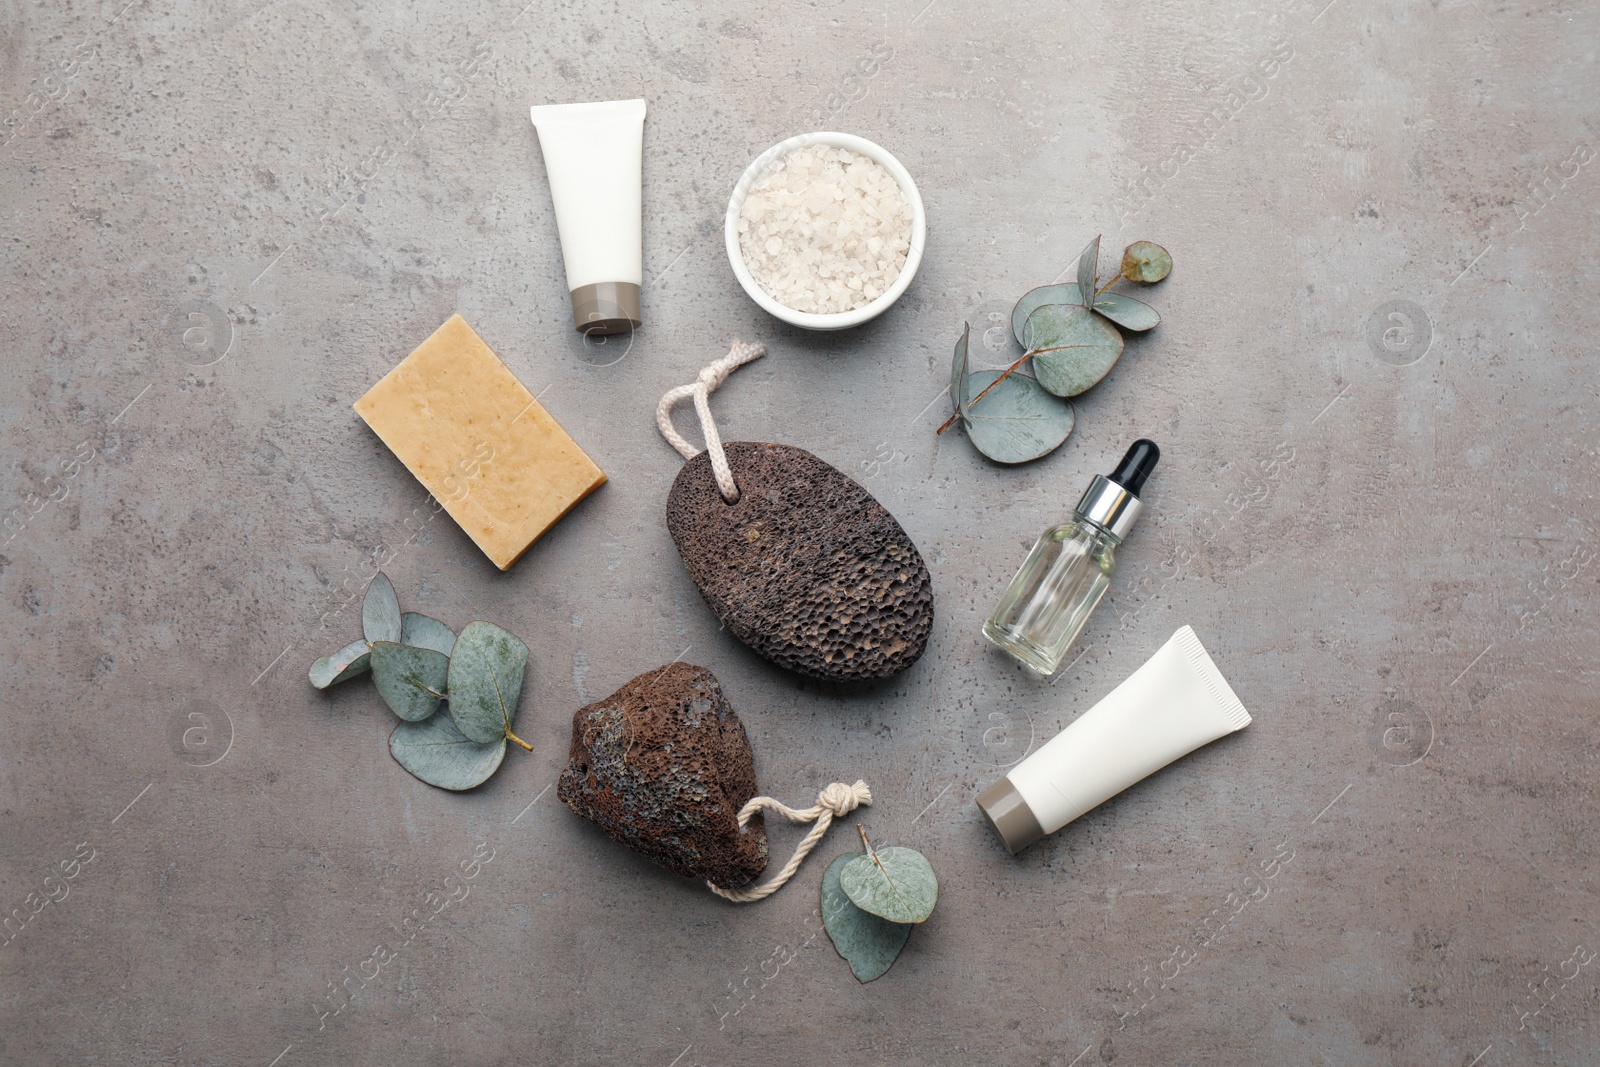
column 419, row 663
column 870, row 902
column 1069, row 332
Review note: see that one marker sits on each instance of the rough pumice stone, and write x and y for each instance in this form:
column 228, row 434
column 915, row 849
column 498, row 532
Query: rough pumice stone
column 807, row 568
column 663, row 765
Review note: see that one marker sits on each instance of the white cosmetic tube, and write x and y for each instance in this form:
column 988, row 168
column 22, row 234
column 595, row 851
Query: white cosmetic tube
column 594, row 154
column 1166, row 709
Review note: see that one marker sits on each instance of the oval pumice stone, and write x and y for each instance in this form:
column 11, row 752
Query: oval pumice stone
column 807, row 568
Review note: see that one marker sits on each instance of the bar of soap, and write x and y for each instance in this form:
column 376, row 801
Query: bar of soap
column 477, row 440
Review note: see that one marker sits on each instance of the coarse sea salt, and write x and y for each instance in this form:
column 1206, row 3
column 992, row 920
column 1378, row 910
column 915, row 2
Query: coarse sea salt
column 825, row 230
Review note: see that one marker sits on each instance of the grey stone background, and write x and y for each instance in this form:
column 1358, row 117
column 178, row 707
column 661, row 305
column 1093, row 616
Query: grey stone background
column 219, row 224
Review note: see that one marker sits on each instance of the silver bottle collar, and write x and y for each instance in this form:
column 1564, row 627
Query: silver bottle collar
column 1110, row 506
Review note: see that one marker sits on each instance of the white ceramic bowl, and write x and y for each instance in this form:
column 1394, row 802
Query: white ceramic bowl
column 843, row 319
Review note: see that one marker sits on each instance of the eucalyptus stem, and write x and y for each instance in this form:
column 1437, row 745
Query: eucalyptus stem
column 1026, row 356
column 951, row 420
column 513, row 737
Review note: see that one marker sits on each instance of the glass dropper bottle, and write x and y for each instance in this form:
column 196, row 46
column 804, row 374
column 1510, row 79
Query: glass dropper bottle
column 1069, row 569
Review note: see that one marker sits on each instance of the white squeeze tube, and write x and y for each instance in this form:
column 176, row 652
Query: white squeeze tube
column 594, row 155
column 1165, row 710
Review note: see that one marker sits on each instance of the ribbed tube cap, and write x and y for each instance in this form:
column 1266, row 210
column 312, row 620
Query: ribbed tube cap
column 1010, row 816
column 605, row 308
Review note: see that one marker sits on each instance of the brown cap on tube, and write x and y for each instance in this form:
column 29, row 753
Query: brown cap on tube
column 1010, row 815
column 605, row 307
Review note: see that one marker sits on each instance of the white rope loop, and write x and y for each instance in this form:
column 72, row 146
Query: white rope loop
column 711, row 377
column 836, row 801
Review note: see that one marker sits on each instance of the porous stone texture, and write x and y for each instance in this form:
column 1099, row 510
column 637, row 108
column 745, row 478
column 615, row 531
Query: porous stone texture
column 806, row 567
column 663, row 765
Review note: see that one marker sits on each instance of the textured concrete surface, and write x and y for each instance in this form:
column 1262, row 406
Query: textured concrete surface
column 220, row 224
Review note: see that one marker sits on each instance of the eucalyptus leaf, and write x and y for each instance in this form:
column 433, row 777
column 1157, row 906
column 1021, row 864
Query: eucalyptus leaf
column 380, row 611
column 411, row 680
column 958, row 371
column 870, row 944
column 423, row 631
column 1146, row 261
column 1127, row 312
column 1065, row 293
column 349, row 661
column 1088, row 270
column 895, row 883
column 485, row 681
column 1073, row 347
column 435, row 752
column 1016, row 421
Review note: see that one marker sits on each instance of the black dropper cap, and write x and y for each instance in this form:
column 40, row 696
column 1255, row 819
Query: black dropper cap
column 1136, row 466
